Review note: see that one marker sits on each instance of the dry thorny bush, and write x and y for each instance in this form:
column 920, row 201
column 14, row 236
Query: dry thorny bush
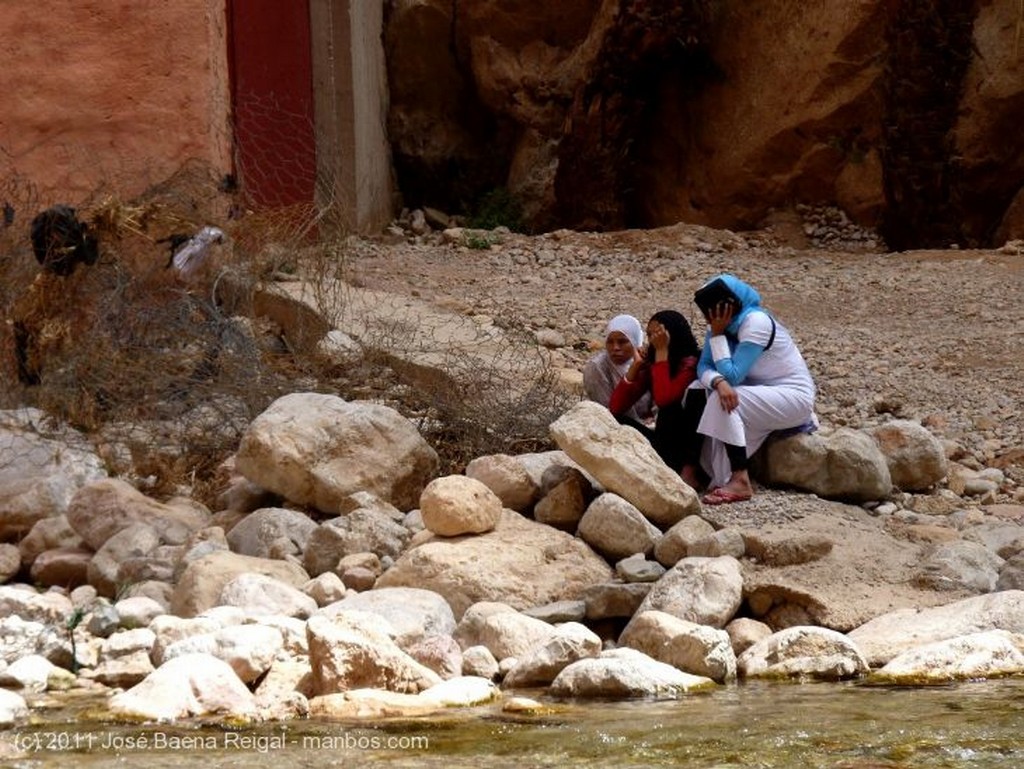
column 165, row 377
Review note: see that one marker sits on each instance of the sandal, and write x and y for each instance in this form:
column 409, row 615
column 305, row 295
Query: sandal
column 722, row 496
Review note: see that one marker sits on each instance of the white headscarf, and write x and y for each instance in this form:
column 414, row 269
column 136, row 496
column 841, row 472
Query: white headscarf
column 628, row 326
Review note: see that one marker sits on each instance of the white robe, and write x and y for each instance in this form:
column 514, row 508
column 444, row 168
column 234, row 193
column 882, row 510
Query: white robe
column 777, row 394
column 600, row 377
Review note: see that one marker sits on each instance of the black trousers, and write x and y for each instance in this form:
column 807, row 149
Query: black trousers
column 675, row 435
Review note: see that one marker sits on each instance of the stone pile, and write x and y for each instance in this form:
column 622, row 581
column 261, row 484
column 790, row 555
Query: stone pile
column 340, row 578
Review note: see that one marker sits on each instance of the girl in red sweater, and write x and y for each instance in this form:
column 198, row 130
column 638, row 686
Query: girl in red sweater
column 664, row 369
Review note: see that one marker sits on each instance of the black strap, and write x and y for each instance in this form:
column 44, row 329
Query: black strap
column 771, row 339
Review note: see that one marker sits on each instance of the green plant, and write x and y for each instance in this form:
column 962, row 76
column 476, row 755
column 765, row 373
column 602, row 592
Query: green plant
column 478, row 241
column 72, row 622
column 498, row 208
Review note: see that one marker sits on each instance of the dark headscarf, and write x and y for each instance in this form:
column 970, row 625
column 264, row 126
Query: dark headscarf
column 681, row 341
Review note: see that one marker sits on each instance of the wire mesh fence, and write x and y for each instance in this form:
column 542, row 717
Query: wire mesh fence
column 171, row 369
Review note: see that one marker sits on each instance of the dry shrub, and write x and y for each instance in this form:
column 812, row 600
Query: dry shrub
column 125, row 351
column 477, row 389
column 166, row 377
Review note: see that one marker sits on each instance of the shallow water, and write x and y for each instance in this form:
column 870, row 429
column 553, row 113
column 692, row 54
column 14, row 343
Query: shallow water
column 845, row 726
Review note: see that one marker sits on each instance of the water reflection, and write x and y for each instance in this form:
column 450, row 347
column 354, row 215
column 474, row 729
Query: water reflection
column 849, row 726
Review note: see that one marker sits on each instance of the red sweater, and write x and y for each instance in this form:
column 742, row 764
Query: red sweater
column 655, row 378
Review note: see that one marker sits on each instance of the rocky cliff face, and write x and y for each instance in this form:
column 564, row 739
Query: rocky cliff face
column 602, row 114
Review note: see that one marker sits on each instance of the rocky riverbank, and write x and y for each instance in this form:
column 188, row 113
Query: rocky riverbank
column 339, row 576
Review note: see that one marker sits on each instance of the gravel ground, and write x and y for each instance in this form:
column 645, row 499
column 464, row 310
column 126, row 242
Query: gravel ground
column 935, row 336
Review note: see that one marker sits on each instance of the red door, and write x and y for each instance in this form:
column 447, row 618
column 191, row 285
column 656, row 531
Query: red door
column 272, row 100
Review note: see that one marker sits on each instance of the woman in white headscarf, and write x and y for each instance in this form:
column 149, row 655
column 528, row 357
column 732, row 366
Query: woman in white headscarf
column 623, row 338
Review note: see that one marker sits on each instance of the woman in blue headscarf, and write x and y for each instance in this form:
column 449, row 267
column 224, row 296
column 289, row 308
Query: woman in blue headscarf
column 755, row 380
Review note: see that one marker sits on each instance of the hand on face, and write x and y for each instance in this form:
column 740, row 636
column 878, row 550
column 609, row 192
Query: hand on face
column 659, row 339
column 719, row 317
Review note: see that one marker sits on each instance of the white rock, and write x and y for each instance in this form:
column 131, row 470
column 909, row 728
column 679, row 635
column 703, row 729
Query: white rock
column 803, row 652
column 706, row 591
column 316, row 449
column 989, row 654
column 412, row 613
column 540, row 665
column 463, row 691
column 521, row 562
column 190, row 685
column 12, row 708
column 248, row 649
column 347, row 654
column 504, row 631
column 883, row 638
column 697, row 649
column 258, row 595
column 616, row 529
column 623, row 673
column 624, row 462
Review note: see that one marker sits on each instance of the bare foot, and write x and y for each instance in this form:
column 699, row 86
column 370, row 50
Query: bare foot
column 690, row 477
column 723, row 496
column 737, row 489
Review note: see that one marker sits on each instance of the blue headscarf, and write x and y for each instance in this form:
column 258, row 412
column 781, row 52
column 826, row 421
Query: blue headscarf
column 750, row 300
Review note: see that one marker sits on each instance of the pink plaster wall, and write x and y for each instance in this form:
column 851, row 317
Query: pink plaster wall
column 111, row 96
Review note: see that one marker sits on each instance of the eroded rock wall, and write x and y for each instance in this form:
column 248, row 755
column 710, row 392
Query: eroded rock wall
column 610, row 113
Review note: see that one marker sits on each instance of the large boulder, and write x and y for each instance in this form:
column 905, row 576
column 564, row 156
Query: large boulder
column 697, row 649
column 200, row 586
column 502, row 630
column 189, row 685
column 889, row 635
column 413, row 614
column 136, row 541
column 625, row 672
column 705, row 591
column 250, row 650
column 269, row 530
column 915, row 457
column 508, row 478
column 103, row 508
column 624, row 463
column 616, row 529
column 569, row 643
column 521, row 562
column 989, row 654
column 347, row 653
column 41, row 470
column 845, row 464
column 803, row 652
column 316, row 449
column 259, row 595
